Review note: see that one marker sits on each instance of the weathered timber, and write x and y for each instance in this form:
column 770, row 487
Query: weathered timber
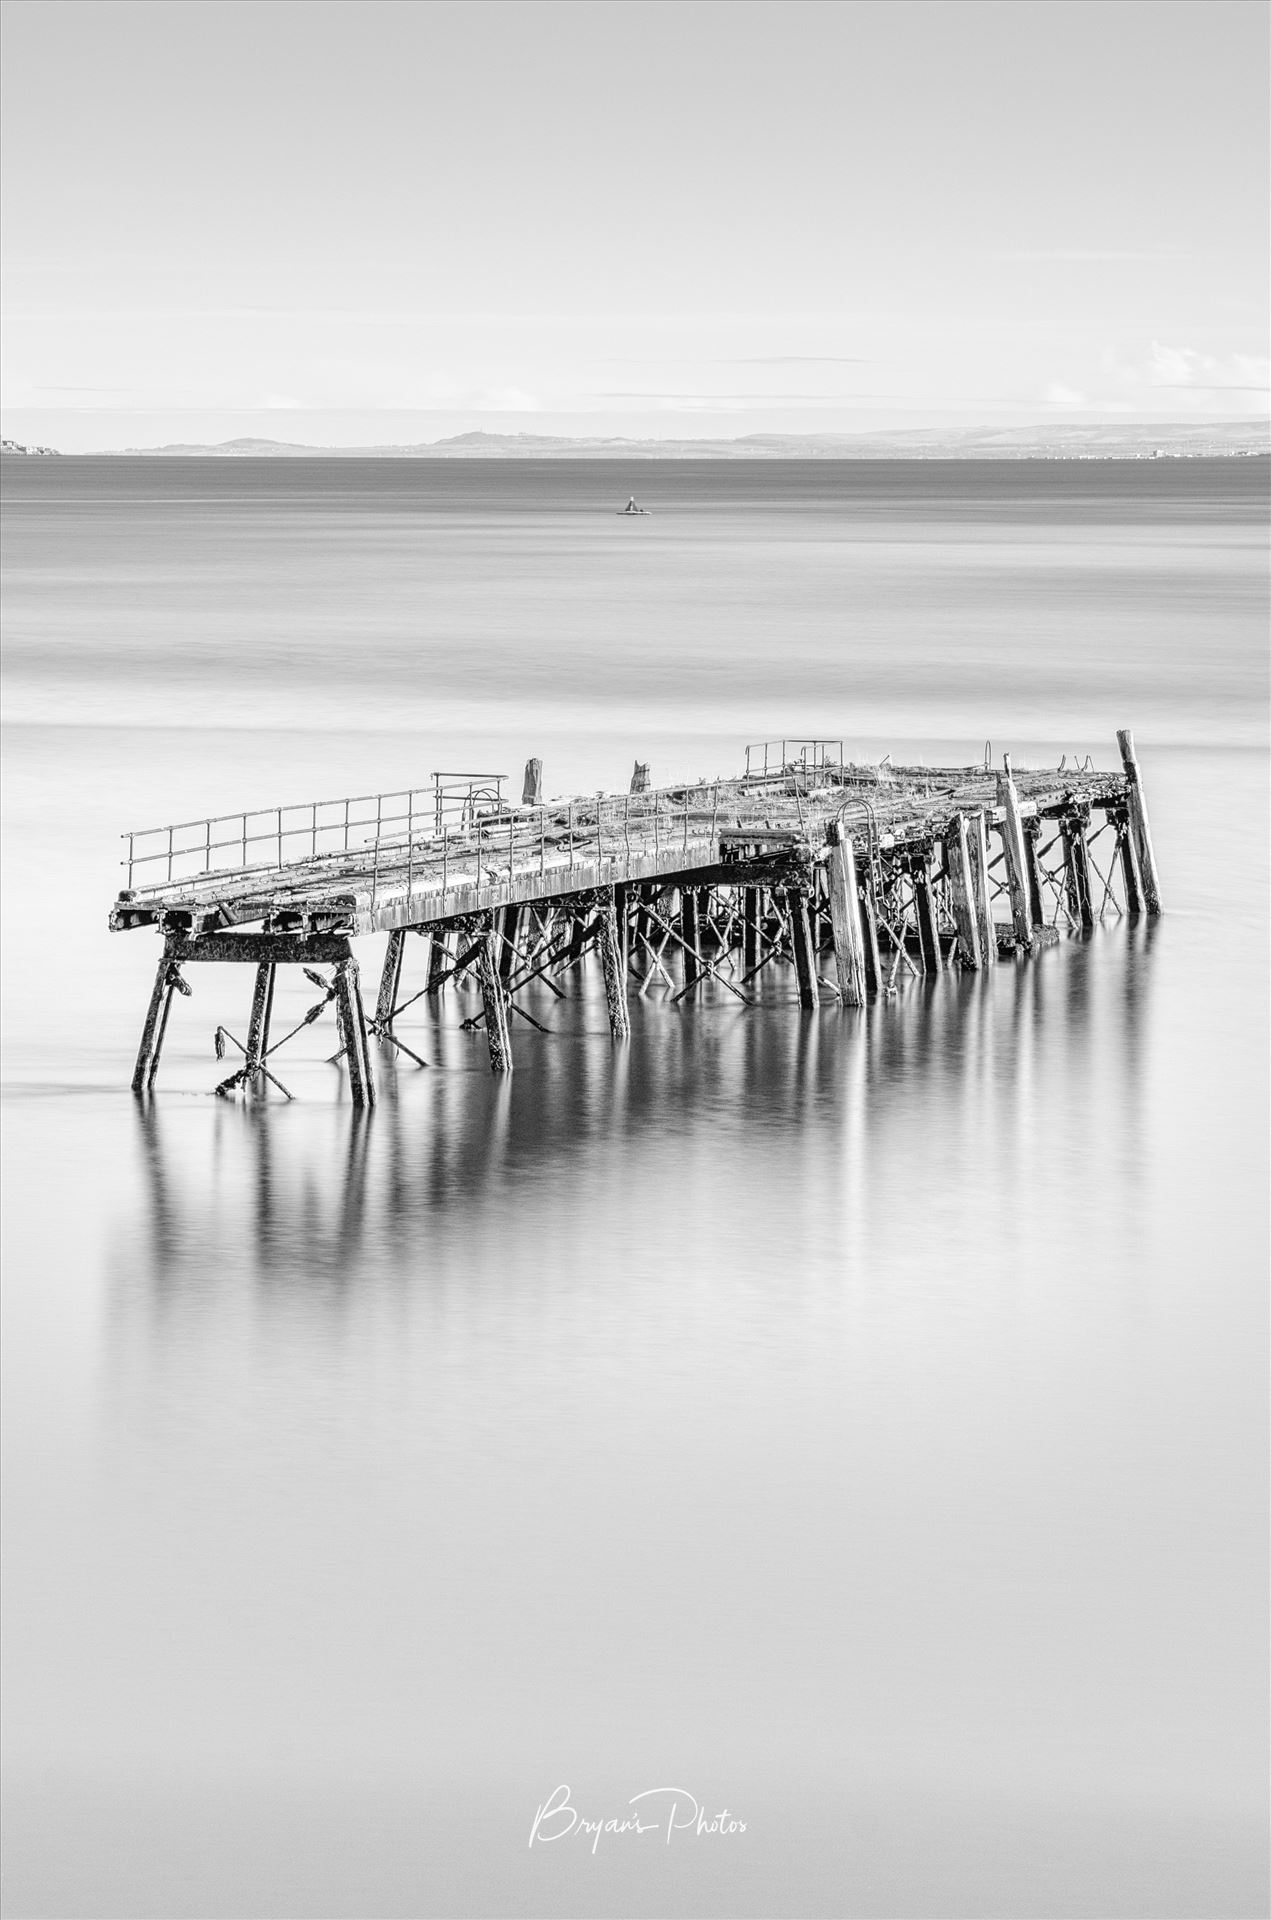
column 925, row 909
column 957, row 859
column 845, row 919
column 801, row 941
column 1128, row 856
column 532, row 786
column 259, row 1019
column 869, row 928
column 1140, row 828
column 351, row 1019
column 1032, row 864
column 751, row 913
column 717, row 881
column 1015, row 849
column 615, row 974
column 390, row 978
column 1077, row 870
column 690, row 935
column 494, row 1004
column 986, row 927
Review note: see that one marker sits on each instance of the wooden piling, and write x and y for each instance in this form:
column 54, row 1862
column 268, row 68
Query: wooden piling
column 925, row 906
column 141, row 1074
column 494, row 1004
column 845, row 917
column 1072, row 830
column 1130, row 877
column 390, row 978
column 352, row 1020
column 1140, row 828
column 615, row 973
column 532, row 787
column 801, row 938
column 509, row 926
column 690, row 934
column 982, row 885
column 439, row 959
column 957, row 860
column 1032, row 861
column 869, row 929
column 751, row 915
column 258, row 1022
column 621, row 908
column 1015, row 849
column 640, row 777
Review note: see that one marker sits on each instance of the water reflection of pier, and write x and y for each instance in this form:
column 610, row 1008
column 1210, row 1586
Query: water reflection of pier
column 861, row 1118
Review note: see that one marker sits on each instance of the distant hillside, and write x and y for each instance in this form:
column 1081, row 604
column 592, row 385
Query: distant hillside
column 1123, row 440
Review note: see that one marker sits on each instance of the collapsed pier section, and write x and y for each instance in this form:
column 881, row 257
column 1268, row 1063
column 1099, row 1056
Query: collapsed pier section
column 851, row 877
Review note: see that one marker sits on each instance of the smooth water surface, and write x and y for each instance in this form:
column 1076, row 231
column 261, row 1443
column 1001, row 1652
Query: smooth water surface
column 854, row 1420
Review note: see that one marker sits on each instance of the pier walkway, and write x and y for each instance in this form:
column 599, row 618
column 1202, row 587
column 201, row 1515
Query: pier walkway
column 895, row 869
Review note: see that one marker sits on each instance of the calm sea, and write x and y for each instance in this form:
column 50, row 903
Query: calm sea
column 855, row 1422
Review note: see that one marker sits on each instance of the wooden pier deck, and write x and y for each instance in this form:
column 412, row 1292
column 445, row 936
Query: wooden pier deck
column 897, row 869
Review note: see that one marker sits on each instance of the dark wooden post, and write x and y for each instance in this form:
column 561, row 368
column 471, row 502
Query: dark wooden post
column 258, row 1022
column 690, row 934
column 1077, row 870
column 1013, row 845
column 751, row 913
column 1130, row 877
column 621, row 908
column 1032, row 834
column 532, row 789
column 869, row 928
column 615, row 972
column 438, row 958
column 509, row 926
column 983, row 886
column 957, row 859
column 495, row 1006
column 167, row 981
column 801, row 937
column 1140, row 827
column 348, row 1000
column 390, row 978
column 640, row 777
column 928, row 931
column 845, row 917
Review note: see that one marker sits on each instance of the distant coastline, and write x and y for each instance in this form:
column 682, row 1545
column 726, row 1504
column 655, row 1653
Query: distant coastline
column 1126, row 441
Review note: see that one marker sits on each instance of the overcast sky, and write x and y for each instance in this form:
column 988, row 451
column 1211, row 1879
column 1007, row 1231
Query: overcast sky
column 395, row 221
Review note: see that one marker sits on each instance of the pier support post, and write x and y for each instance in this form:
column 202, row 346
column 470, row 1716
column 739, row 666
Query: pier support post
column 1032, row 857
column 982, row 886
column 352, row 1021
column 751, row 913
column 925, row 904
column 957, row 859
column 494, row 1005
column 1013, row 845
column 869, row 928
column 1072, row 830
column 1140, row 829
column 622, row 915
column 615, row 972
column 390, row 978
column 258, row 1024
column 1130, row 878
column 167, row 981
column 438, row 959
column 845, row 917
column 801, row 939
column 690, row 934
column 509, row 926
column 532, row 786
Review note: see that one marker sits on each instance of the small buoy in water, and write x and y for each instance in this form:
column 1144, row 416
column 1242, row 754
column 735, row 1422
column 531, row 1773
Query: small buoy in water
column 631, row 507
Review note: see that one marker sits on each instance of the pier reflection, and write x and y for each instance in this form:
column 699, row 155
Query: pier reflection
column 963, row 1115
